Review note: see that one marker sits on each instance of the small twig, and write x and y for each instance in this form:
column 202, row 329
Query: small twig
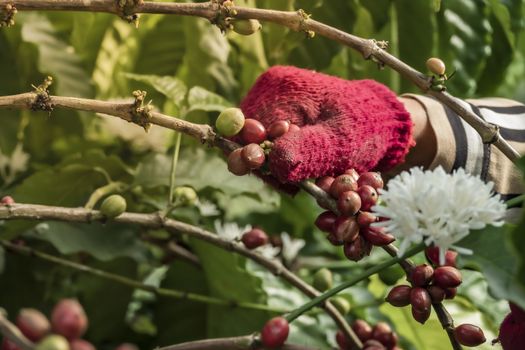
column 43, row 212
column 11, row 332
column 178, row 251
column 170, row 293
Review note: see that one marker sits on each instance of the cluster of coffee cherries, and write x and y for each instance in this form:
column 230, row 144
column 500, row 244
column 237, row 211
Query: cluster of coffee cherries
column 379, row 337
column 355, row 195
column 251, row 133
column 68, row 324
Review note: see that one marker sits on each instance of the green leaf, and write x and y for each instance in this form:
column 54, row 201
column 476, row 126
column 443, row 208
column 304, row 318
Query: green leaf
column 494, row 257
column 201, row 99
column 171, row 87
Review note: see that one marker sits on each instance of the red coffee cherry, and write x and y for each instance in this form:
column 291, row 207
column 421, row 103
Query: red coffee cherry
column 254, row 238
column 437, row 294
column 253, row 131
column 33, row 324
column 368, row 196
column 69, row 319
column 447, row 277
column 517, row 312
column 383, row 334
column 353, row 173
column 357, row 249
column 80, row 344
column 275, row 332
column 325, row 182
column 236, row 164
column 420, row 299
column 278, row 129
column 511, row 333
column 346, row 229
column 293, row 128
column 342, row 183
column 371, row 179
column 421, row 316
column 399, row 296
column 332, row 238
column 450, row 293
column 349, row 203
column 372, row 344
column 432, row 254
column 9, row 345
column 421, row 275
column 253, row 156
column 325, row 221
column 469, row 335
column 362, row 329
column 341, row 340
column 365, row 218
column 376, row 236
column 7, row 200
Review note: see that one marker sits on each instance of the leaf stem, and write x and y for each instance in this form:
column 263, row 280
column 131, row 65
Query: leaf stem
column 103, row 191
column 515, row 201
column 363, row 275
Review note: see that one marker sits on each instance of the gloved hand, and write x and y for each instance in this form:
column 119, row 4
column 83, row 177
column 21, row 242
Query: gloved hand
column 343, row 124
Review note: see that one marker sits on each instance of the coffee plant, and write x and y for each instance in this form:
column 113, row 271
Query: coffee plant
column 144, row 206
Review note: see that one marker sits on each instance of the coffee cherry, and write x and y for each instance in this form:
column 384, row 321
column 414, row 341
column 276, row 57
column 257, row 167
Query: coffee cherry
column 349, row 203
column 371, row 179
column 368, row 196
column 113, row 206
column 352, row 172
column 362, row 329
column 421, row 316
column 294, row 128
column 341, row 340
column 246, row 26
column 33, row 324
column 278, row 129
column 325, row 221
column 253, row 131
column 275, row 332
column 323, row 279
column 80, row 344
column 511, row 333
column 357, row 249
column 253, row 156
column 53, row 342
column 391, row 275
column 372, row 344
column 437, row 294
column 436, row 66
column 236, row 164
column 7, row 200
column 341, row 304
column 450, row 293
column 9, row 345
column 432, row 254
column 325, row 182
column 399, row 296
column 469, row 335
column 420, row 299
column 421, row 275
column 376, row 236
column 517, row 312
column 230, row 122
column 342, row 183
column 365, row 218
column 334, row 240
column 69, row 319
column 346, row 229
column 127, row 346
column 185, row 195
column 383, row 334
column 447, row 277
column 254, row 238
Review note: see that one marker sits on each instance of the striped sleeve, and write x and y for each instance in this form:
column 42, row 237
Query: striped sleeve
column 460, row 146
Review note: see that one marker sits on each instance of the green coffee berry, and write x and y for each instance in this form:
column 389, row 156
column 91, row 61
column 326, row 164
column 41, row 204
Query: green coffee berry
column 113, row 206
column 341, row 304
column 391, row 275
column 246, row 26
column 185, row 195
column 323, row 279
column 53, row 342
column 230, row 122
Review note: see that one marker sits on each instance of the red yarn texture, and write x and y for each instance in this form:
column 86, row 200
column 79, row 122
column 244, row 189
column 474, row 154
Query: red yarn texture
column 344, row 124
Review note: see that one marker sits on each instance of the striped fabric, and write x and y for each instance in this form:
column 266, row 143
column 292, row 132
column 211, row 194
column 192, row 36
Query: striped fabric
column 460, row 146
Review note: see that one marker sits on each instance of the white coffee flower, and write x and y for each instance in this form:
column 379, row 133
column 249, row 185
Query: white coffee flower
column 230, row 230
column 437, row 208
column 291, row 246
column 207, row 208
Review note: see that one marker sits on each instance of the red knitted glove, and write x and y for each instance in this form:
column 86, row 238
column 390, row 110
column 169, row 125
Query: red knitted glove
column 344, row 124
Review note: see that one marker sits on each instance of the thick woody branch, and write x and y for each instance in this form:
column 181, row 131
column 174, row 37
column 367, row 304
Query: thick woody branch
column 155, row 221
column 11, row 332
column 297, row 21
column 235, row 343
